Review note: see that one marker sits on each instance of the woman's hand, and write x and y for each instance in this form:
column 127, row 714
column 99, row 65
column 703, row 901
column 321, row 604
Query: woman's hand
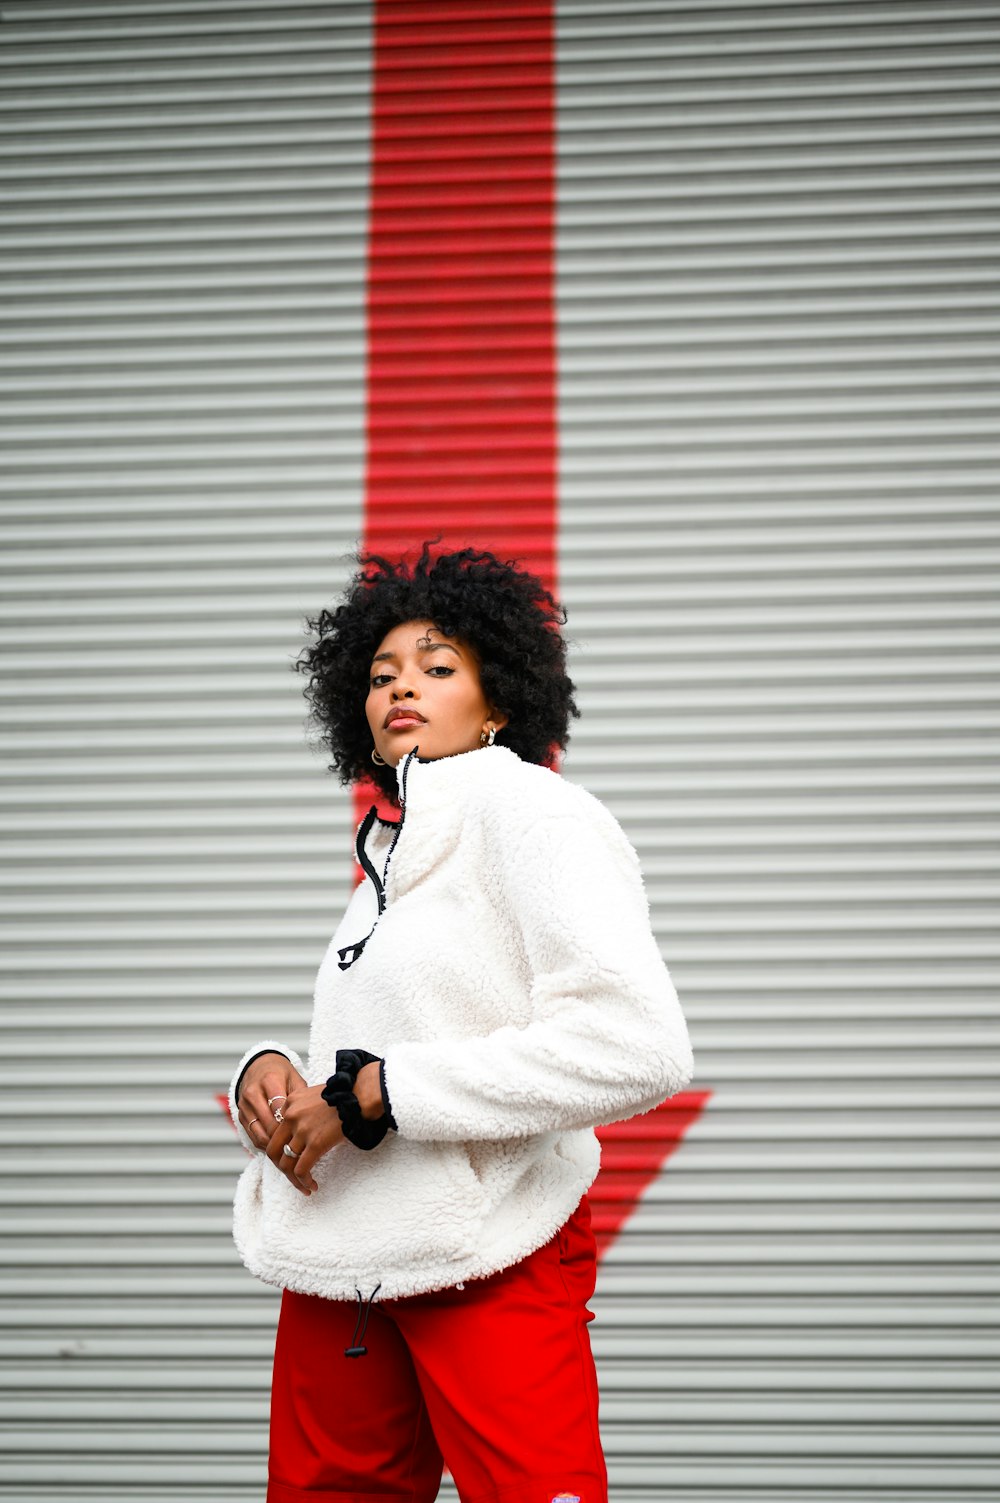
column 268, row 1082
column 310, row 1127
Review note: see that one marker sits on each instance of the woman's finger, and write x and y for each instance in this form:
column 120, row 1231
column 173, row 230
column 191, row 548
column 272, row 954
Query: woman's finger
column 253, row 1107
column 281, row 1135
column 254, row 1129
column 294, row 1153
column 280, row 1138
column 288, row 1162
column 274, row 1089
column 316, row 1143
column 303, row 1162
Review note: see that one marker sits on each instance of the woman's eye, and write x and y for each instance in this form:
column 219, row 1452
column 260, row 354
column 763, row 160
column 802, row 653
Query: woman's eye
column 440, row 668
column 379, row 679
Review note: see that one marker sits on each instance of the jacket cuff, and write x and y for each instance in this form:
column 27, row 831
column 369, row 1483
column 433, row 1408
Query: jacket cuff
column 386, row 1104
column 267, row 1046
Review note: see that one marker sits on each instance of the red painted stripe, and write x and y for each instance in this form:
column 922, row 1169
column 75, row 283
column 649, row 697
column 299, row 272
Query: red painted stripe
column 461, row 397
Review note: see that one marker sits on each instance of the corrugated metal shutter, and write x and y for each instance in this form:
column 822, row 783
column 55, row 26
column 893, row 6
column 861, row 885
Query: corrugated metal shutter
column 183, row 388
column 778, row 308
column 778, row 333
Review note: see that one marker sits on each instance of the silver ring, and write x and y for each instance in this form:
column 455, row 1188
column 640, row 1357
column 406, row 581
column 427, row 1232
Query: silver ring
column 276, row 1114
column 250, row 1124
column 279, row 1097
column 289, row 1152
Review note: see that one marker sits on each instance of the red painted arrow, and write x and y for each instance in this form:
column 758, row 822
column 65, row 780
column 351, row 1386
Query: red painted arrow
column 632, row 1155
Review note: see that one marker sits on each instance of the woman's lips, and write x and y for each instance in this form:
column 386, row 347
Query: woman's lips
column 405, row 722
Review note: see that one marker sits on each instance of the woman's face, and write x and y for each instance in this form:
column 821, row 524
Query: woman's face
column 424, row 691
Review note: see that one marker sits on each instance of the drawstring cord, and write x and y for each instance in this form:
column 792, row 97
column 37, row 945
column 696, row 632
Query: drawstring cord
column 360, row 1326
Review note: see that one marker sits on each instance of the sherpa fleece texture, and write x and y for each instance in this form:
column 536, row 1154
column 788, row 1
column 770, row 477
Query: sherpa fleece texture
column 515, row 989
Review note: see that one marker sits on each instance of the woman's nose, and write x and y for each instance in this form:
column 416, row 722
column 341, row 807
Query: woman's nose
column 401, row 692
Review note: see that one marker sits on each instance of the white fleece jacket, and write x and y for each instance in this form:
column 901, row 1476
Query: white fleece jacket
column 515, row 990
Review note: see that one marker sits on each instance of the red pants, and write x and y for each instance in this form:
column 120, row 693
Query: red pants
column 496, row 1379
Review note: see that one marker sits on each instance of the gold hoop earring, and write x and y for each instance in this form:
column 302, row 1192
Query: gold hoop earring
column 379, row 761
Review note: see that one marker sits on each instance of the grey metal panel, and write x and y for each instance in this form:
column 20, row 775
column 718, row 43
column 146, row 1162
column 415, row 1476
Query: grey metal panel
column 778, row 341
column 182, row 380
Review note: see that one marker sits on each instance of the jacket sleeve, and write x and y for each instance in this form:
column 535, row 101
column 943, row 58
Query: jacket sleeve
column 266, row 1046
column 606, row 1038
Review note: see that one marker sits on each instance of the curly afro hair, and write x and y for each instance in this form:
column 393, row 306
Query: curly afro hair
column 502, row 612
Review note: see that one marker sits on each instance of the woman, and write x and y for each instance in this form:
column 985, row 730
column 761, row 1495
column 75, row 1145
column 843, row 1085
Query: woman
column 492, row 993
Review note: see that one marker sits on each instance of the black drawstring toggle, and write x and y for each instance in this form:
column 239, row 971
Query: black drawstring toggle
column 361, row 1325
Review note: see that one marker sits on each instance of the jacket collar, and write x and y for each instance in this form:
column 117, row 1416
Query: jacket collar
column 434, row 795
column 432, row 784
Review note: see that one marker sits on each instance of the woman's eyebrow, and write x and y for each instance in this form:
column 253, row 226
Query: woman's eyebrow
column 424, row 645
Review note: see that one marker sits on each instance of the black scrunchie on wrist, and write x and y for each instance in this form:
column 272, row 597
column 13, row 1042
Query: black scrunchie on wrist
column 338, row 1093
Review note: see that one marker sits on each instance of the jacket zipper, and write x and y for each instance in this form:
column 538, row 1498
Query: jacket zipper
column 357, row 1347
column 380, row 889
column 354, row 950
